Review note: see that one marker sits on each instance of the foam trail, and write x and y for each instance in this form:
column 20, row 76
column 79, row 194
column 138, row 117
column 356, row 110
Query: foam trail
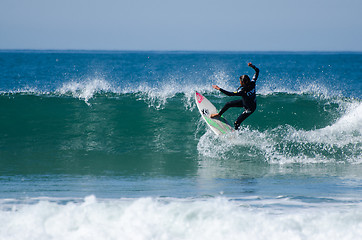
column 338, row 142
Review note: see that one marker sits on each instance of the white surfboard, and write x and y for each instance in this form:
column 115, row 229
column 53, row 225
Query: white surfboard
column 218, row 125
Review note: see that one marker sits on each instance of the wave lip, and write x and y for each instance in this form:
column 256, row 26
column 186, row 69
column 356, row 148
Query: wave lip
column 85, row 90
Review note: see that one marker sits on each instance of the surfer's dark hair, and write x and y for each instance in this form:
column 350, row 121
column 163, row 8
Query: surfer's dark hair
column 245, row 79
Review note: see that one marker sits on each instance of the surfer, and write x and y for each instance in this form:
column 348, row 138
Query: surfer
column 248, row 97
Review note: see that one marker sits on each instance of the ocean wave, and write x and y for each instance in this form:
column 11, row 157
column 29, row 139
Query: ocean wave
column 286, row 128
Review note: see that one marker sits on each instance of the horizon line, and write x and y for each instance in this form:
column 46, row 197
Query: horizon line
column 180, row 51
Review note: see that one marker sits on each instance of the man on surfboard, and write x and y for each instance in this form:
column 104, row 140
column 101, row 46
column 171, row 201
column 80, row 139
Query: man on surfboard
column 248, row 97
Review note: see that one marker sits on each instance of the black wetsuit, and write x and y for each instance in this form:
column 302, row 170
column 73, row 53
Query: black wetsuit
column 247, row 101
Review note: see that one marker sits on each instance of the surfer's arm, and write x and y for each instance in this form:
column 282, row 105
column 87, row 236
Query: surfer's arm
column 256, row 75
column 228, row 93
column 224, row 91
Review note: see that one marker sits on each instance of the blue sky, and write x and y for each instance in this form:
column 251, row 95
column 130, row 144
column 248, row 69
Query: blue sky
column 232, row 25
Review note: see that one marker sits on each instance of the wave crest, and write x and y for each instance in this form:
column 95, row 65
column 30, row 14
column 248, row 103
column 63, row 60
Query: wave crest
column 85, row 90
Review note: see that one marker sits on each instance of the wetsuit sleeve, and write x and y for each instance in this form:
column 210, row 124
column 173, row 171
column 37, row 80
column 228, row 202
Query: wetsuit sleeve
column 256, row 75
column 229, row 93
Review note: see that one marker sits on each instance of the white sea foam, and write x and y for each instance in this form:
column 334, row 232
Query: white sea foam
column 347, row 130
column 338, row 142
column 150, row 218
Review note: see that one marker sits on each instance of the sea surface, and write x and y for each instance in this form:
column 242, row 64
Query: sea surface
column 110, row 145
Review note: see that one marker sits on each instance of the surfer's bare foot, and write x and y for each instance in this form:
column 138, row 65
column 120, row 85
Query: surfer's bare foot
column 214, row 115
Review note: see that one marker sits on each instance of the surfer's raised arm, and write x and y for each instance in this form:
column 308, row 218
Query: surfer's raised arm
column 256, row 75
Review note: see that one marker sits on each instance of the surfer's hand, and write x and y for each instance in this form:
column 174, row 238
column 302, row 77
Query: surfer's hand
column 250, row 64
column 215, row 115
column 216, row 87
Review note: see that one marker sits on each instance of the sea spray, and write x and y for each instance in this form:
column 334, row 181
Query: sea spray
column 85, row 90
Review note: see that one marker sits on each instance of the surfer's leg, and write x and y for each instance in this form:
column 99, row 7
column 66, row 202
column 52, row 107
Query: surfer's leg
column 242, row 117
column 236, row 103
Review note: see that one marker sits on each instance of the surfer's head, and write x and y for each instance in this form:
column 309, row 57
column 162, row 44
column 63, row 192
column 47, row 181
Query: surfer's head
column 244, row 80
